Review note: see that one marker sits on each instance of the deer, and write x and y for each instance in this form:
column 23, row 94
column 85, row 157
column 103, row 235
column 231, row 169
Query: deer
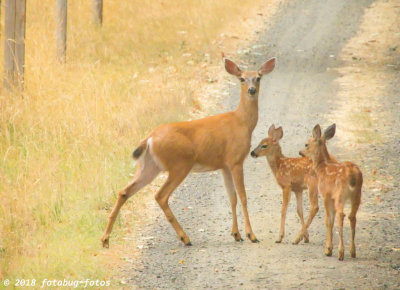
column 292, row 175
column 338, row 183
column 219, row 142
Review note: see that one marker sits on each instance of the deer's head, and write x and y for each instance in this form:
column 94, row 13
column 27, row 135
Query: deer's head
column 270, row 145
column 315, row 144
column 250, row 80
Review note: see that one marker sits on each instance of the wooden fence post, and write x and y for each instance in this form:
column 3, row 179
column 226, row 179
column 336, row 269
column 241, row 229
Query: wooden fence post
column 61, row 30
column 97, row 12
column 14, row 43
column 0, row 18
column 9, row 44
column 20, row 20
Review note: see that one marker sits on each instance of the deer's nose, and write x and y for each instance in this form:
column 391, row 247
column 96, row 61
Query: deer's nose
column 252, row 90
column 253, row 154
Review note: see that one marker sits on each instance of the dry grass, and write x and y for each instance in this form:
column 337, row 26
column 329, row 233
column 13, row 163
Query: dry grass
column 65, row 144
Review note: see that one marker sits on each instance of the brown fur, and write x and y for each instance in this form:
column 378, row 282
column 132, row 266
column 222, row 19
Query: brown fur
column 338, row 183
column 216, row 142
column 291, row 174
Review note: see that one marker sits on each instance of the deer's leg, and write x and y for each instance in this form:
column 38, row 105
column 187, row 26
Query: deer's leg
column 146, row 172
column 352, row 217
column 329, row 222
column 285, row 202
column 313, row 197
column 238, row 180
column 340, row 217
column 299, row 200
column 230, row 189
column 175, row 178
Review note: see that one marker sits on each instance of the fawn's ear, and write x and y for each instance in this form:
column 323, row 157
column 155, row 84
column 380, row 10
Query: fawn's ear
column 278, row 134
column 232, row 68
column 316, row 132
column 271, row 130
column 267, row 67
column 330, row 132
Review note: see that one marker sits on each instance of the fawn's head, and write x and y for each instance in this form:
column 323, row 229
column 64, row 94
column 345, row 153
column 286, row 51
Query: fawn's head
column 249, row 80
column 317, row 142
column 270, row 145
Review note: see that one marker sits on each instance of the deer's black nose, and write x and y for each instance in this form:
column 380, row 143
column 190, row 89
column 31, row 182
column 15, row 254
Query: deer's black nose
column 252, row 90
column 253, row 154
column 301, row 154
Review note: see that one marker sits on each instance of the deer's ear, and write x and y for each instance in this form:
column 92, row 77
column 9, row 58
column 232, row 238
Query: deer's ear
column 267, row 67
column 278, row 134
column 316, row 133
column 271, row 130
column 232, row 68
column 330, row 132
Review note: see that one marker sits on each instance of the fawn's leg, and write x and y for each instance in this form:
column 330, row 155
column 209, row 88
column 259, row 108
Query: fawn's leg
column 230, row 189
column 353, row 220
column 299, row 200
column 286, row 198
column 313, row 198
column 329, row 222
column 340, row 217
column 238, row 180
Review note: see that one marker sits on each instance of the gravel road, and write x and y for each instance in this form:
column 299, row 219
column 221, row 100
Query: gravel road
column 306, row 36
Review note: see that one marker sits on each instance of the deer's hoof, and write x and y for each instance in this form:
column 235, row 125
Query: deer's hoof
column 237, row 237
column 279, row 240
column 186, row 240
column 328, row 252
column 341, row 255
column 252, row 238
column 353, row 253
column 106, row 242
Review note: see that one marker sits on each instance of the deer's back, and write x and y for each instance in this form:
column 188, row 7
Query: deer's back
column 210, row 143
column 294, row 172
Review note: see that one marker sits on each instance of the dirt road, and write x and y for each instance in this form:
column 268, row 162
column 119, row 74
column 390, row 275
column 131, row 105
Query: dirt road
column 306, row 36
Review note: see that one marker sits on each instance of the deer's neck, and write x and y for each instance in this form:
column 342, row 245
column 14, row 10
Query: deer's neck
column 248, row 109
column 319, row 159
column 275, row 160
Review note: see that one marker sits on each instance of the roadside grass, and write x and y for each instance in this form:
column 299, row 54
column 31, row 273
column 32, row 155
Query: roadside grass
column 364, row 121
column 370, row 60
column 65, row 144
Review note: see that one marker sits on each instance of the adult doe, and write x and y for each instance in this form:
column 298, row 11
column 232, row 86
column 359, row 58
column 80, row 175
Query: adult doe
column 291, row 174
column 338, row 183
column 213, row 143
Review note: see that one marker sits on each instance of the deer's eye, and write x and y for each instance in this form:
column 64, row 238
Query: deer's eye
column 264, row 146
column 306, row 145
column 242, row 80
column 258, row 79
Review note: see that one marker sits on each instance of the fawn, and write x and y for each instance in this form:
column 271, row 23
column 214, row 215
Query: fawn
column 338, row 183
column 292, row 174
column 216, row 142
